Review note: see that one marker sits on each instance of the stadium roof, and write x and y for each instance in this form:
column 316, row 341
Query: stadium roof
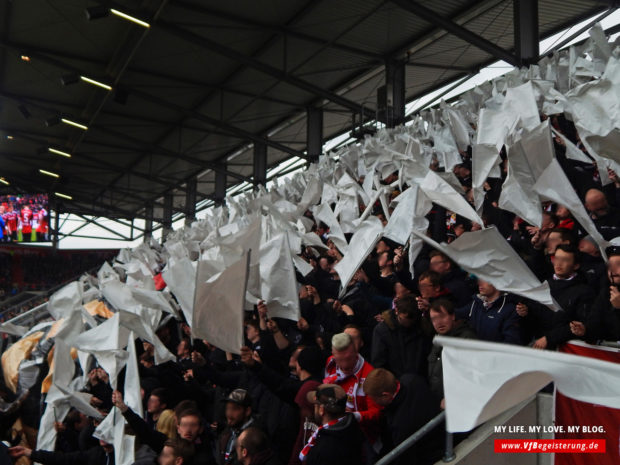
column 199, row 83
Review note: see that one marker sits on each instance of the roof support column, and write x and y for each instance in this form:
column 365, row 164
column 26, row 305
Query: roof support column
column 56, row 232
column 392, row 97
column 167, row 220
column 148, row 223
column 314, row 133
column 220, row 188
column 190, row 201
column 526, row 31
column 260, row 164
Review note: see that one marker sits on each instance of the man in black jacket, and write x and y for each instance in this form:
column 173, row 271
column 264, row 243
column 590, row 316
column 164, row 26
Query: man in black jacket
column 444, row 322
column 338, row 441
column 408, row 405
column 571, row 293
column 399, row 343
column 604, row 319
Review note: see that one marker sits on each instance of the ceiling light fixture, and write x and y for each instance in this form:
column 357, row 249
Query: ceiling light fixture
column 74, row 124
column 25, row 58
column 9, row 137
column 64, row 196
column 120, row 14
column 49, row 173
column 59, row 152
column 95, row 83
column 4, row 181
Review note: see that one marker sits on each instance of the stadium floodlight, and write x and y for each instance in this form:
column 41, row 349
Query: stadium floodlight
column 95, row 83
column 49, row 173
column 63, row 196
column 74, row 124
column 133, row 19
column 59, row 152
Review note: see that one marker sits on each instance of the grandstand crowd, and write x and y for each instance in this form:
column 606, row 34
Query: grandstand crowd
column 357, row 374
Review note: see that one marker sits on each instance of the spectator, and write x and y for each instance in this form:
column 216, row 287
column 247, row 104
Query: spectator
column 605, row 217
column 492, row 315
column 252, row 448
column 408, row 405
column 176, row 452
column 445, row 324
column 400, row 342
column 452, row 278
column 238, row 418
column 348, row 369
column 338, row 441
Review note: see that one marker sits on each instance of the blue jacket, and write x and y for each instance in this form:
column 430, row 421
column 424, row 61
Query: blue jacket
column 498, row 323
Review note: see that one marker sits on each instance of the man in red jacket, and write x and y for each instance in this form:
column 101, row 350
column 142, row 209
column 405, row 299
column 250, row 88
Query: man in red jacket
column 348, row 369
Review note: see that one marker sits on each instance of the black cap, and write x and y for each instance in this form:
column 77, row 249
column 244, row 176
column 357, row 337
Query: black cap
column 239, row 397
column 612, row 250
column 312, row 360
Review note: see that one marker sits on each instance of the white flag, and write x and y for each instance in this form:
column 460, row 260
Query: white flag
column 218, row 306
column 483, row 379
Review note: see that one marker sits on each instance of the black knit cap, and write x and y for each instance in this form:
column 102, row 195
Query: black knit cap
column 312, row 360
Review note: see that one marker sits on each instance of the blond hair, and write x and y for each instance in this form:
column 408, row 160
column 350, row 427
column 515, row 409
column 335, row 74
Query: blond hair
column 341, row 341
column 167, row 423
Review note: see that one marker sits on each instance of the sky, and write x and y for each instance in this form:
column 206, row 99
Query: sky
column 71, row 222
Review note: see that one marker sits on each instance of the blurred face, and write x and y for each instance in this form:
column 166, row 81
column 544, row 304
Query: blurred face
column 358, row 342
column 167, row 457
column 442, row 321
column 562, row 212
column 183, row 349
column 553, row 240
column 381, row 247
column 400, row 290
column 613, row 269
column 251, row 332
column 439, row 264
column 427, row 290
column 596, row 203
column 486, row 289
column 346, row 359
column 189, row 428
column 587, row 247
column 564, row 264
column 154, row 405
column 383, row 260
column 324, row 264
column 236, row 415
column 547, row 223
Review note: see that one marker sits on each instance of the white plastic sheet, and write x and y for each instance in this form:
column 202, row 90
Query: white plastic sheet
column 218, row 306
column 483, row 379
column 486, row 254
column 362, row 243
column 278, row 280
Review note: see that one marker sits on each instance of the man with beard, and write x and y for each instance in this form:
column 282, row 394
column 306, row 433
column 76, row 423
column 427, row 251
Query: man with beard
column 338, row 441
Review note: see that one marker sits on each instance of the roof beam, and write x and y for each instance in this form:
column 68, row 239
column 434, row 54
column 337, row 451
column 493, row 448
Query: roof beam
column 432, row 17
column 250, row 62
column 282, row 30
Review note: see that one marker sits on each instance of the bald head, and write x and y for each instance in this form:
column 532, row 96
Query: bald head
column 596, row 203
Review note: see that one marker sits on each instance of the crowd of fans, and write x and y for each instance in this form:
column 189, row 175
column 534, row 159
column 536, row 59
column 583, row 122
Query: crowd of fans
column 358, row 373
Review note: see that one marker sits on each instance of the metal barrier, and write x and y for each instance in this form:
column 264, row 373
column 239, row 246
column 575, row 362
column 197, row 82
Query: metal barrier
column 415, row 437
